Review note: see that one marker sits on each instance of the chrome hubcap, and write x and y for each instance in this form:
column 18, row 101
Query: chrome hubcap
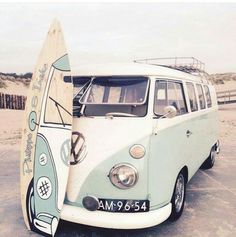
column 213, row 155
column 179, row 192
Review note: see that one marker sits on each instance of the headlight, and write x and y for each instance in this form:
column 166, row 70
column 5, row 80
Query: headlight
column 123, row 176
column 137, row 151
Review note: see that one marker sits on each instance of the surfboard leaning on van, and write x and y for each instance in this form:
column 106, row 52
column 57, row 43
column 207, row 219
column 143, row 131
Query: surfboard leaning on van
column 46, row 137
column 136, row 135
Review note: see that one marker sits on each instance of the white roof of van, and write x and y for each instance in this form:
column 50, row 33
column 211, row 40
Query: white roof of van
column 134, row 69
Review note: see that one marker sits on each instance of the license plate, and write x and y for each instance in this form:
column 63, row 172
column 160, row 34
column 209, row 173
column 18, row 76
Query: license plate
column 117, row 205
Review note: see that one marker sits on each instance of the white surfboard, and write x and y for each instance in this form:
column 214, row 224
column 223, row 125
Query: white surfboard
column 46, row 137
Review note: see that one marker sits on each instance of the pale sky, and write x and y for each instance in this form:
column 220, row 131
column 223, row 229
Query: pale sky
column 120, row 32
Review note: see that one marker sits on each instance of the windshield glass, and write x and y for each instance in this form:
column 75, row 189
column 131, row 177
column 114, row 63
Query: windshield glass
column 116, row 90
column 79, row 83
column 80, row 86
column 116, row 96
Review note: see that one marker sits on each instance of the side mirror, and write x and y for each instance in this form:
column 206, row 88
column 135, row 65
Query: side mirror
column 170, row 111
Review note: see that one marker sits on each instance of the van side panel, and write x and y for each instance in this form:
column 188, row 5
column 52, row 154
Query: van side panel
column 203, row 125
column 171, row 149
column 168, row 154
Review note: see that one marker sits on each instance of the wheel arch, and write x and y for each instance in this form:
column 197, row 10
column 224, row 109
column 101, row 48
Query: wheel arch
column 185, row 172
column 174, row 213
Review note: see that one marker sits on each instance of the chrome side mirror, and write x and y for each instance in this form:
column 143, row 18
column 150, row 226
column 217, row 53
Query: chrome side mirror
column 169, row 111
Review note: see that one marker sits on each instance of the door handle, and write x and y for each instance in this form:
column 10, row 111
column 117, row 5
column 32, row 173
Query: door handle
column 188, row 133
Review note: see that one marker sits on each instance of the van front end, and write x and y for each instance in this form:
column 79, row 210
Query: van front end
column 109, row 179
column 109, row 187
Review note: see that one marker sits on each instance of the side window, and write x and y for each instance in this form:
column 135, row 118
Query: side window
column 192, row 97
column 176, row 97
column 201, row 97
column 169, row 93
column 208, row 96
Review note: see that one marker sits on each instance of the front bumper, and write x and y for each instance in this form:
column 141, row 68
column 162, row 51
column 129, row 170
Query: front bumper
column 115, row 220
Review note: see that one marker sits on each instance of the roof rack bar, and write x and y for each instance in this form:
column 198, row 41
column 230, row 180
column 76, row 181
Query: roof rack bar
column 186, row 64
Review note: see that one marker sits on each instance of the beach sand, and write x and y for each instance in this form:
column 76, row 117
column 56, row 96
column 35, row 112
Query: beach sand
column 10, row 132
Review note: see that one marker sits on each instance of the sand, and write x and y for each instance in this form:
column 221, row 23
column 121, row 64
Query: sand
column 10, row 132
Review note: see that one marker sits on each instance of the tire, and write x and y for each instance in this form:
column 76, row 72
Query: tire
column 178, row 197
column 210, row 161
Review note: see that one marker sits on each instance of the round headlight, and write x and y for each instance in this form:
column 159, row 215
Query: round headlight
column 137, row 151
column 123, row 176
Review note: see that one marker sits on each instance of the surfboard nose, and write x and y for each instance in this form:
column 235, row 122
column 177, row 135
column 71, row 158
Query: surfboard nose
column 55, row 27
column 55, row 24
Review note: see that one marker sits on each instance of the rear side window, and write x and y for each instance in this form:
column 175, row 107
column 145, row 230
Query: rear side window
column 208, row 96
column 169, row 93
column 201, row 97
column 192, row 97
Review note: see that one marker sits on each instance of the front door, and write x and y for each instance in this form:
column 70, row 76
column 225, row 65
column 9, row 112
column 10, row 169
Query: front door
column 169, row 142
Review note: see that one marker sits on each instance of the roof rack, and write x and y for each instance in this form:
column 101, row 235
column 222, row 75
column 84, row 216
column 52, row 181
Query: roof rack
column 185, row 64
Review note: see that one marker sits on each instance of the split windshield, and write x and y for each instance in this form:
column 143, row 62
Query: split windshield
column 116, row 95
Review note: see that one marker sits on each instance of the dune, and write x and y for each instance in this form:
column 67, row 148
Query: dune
column 13, row 87
column 228, row 85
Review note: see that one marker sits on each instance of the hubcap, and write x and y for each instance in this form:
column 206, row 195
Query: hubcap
column 179, row 192
column 213, row 154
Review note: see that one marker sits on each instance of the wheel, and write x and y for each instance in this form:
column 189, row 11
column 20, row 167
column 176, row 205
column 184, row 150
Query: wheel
column 178, row 197
column 210, row 161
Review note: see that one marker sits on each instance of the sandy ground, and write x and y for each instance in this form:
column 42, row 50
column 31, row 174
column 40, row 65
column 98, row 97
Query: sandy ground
column 210, row 209
column 10, row 129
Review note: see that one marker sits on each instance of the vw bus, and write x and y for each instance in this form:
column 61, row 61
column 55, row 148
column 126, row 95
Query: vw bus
column 140, row 133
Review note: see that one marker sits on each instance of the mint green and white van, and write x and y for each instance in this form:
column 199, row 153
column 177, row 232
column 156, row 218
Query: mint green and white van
column 140, row 133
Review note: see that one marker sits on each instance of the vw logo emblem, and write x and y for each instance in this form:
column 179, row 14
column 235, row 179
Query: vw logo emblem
column 78, row 148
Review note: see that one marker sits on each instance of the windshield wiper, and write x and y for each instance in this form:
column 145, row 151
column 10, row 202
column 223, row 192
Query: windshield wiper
column 117, row 114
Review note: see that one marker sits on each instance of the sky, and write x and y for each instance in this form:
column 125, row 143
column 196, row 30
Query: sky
column 120, row 32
